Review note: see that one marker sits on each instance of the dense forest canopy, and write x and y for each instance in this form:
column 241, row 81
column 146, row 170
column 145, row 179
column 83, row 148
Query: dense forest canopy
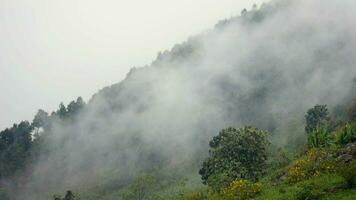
column 265, row 69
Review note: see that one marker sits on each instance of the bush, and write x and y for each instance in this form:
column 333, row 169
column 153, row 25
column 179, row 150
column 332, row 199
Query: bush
column 315, row 162
column 348, row 172
column 242, row 190
column 309, row 192
column 346, row 135
column 319, row 138
column 219, row 180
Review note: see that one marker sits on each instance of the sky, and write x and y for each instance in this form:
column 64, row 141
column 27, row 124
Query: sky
column 54, row 51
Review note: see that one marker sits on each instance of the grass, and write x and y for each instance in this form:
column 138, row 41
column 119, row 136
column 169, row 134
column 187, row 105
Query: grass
column 331, row 185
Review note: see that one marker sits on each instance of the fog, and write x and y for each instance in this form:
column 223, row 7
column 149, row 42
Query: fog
column 54, row 51
column 264, row 69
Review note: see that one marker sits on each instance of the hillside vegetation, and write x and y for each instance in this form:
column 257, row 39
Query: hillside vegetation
column 262, row 106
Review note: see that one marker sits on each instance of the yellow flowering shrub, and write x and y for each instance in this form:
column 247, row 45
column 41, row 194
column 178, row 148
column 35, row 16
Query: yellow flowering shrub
column 315, row 162
column 242, row 190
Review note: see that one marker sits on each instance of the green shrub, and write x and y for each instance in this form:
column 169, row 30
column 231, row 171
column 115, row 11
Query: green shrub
column 346, row 135
column 319, row 138
column 309, row 192
column 315, row 162
column 217, row 181
column 348, row 172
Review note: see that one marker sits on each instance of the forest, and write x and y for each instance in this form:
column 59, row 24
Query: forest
column 262, row 106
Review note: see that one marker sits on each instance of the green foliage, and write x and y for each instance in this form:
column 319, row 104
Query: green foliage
column 315, row 162
column 20, row 144
column 242, row 190
column 310, row 192
column 316, row 117
column 71, row 111
column 346, row 135
column 319, row 138
column 196, row 195
column 348, row 172
column 235, row 154
column 142, row 188
column 15, row 144
column 278, row 157
column 41, row 119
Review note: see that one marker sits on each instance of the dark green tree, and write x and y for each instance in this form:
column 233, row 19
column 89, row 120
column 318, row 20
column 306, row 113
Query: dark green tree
column 40, row 119
column 15, row 147
column 62, row 111
column 316, row 117
column 74, row 107
column 235, row 154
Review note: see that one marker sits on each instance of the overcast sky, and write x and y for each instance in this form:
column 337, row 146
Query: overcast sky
column 54, row 51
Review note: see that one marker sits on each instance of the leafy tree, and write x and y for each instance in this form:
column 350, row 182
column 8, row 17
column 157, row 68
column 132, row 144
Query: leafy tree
column 316, row 117
column 75, row 107
column 71, row 111
column 62, row 111
column 15, row 146
column 40, row 119
column 235, row 154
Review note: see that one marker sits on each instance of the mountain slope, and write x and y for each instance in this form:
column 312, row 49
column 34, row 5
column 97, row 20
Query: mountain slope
column 263, row 68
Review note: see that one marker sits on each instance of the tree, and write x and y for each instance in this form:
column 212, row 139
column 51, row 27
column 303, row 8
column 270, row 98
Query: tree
column 62, row 111
column 316, row 117
column 15, row 147
column 244, row 12
column 235, row 154
column 40, row 119
column 75, row 107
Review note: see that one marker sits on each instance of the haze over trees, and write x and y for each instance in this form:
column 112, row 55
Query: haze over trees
column 269, row 72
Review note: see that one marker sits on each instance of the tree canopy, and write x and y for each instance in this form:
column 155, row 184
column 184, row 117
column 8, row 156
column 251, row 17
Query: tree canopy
column 235, row 154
